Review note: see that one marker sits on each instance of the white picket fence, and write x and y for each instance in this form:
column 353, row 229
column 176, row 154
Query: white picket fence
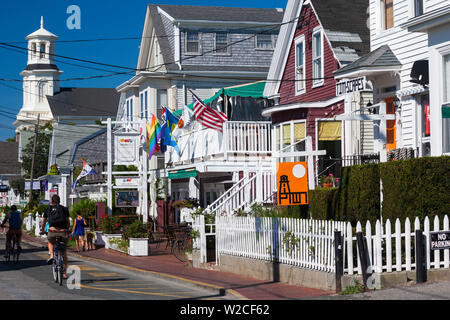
column 392, row 248
column 308, row 243
column 300, row 242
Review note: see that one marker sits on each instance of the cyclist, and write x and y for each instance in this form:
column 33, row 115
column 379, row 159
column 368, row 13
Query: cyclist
column 15, row 227
column 59, row 223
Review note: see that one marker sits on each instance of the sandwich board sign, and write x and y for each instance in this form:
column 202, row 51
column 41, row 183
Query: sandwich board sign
column 292, row 183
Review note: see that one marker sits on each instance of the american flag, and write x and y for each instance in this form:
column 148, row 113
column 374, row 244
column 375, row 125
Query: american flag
column 207, row 116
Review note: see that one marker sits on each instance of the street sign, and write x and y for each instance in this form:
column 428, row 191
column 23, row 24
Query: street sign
column 36, row 185
column 349, row 86
column 292, row 183
column 440, row 240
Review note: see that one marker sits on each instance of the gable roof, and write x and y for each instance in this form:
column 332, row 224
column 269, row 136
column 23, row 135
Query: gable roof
column 381, row 57
column 344, row 25
column 84, row 102
column 9, row 163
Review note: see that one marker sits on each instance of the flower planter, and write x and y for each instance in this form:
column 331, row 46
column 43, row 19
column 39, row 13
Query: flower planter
column 138, row 247
column 107, row 237
column 99, row 239
column 327, row 185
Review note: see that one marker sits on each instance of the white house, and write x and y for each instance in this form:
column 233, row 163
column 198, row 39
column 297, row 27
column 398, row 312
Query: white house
column 397, row 67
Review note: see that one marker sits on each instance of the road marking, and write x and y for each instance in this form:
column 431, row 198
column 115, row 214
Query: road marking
column 132, row 291
column 112, row 274
column 85, row 268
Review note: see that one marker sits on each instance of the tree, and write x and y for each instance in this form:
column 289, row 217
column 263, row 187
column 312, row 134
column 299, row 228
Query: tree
column 41, row 159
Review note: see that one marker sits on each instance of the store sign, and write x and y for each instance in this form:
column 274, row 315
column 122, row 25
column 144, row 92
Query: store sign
column 126, row 149
column 36, row 185
column 127, row 181
column 4, row 188
column 349, row 86
column 440, row 240
column 292, row 183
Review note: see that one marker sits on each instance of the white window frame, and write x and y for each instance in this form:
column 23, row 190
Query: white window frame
column 412, row 10
column 227, row 45
column 142, row 116
column 381, row 19
column 320, row 82
column 272, row 42
column 129, row 106
column 186, row 43
column 291, row 123
column 443, row 54
column 300, row 39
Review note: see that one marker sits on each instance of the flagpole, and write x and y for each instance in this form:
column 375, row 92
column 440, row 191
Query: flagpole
column 145, row 179
column 109, row 156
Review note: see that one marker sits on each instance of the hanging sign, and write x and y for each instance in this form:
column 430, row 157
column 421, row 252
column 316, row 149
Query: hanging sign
column 349, row 86
column 292, row 183
column 126, row 149
column 127, row 198
column 127, row 181
column 440, row 240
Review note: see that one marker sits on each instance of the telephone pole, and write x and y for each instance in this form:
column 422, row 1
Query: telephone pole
column 36, row 131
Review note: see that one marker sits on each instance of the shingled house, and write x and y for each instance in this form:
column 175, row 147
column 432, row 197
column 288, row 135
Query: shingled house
column 10, row 170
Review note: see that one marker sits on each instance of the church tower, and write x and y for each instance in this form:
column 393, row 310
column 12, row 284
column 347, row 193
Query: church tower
column 40, row 78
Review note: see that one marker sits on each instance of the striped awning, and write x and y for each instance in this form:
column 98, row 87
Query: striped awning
column 411, row 91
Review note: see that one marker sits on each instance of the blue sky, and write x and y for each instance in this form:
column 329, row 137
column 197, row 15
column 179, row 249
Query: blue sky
column 99, row 19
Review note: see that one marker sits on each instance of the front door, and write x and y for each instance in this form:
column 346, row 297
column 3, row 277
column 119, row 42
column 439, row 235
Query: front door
column 391, row 129
column 212, row 192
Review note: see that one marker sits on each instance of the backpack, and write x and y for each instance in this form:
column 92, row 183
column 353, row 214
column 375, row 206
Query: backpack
column 57, row 217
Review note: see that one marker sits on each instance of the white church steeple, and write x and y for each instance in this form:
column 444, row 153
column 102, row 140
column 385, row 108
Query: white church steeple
column 40, row 77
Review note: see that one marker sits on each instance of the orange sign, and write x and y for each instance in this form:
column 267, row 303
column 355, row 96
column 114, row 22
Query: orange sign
column 292, row 183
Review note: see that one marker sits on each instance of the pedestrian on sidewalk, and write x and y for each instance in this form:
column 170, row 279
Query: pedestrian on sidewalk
column 78, row 231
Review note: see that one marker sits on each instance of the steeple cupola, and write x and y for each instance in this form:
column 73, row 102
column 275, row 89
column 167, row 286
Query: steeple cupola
column 41, row 47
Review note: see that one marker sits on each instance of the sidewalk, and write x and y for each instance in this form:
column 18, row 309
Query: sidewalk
column 163, row 264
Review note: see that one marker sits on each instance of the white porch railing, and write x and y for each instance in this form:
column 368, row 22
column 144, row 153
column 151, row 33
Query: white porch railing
column 254, row 187
column 238, row 137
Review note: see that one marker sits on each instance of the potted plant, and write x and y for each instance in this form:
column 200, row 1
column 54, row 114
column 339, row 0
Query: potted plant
column 327, row 181
column 137, row 234
column 110, row 226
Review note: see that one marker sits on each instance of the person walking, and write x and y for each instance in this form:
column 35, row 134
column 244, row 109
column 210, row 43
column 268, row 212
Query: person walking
column 78, row 231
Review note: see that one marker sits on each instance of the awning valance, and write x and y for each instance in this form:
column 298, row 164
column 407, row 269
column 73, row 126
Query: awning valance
column 182, row 174
column 329, row 130
column 446, row 112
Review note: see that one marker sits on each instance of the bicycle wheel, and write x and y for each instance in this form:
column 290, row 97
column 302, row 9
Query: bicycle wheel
column 60, row 269
column 13, row 250
column 178, row 250
column 55, row 266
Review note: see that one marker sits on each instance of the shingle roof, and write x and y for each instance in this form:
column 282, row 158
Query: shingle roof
column 84, row 102
column 381, row 57
column 9, row 163
column 209, row 13
column 347, row 20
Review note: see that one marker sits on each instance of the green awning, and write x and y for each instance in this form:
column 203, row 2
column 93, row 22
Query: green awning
column 182, row 174
column 254, row 90
column 446, row 111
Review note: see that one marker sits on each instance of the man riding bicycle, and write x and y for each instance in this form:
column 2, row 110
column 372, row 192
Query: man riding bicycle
column 59, row 223
column 15, row 227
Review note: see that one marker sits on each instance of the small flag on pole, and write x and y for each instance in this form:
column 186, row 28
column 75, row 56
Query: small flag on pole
column 86, row 171
column 207, row 116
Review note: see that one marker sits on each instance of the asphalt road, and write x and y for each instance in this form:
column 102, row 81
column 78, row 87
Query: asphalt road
column 31, row 279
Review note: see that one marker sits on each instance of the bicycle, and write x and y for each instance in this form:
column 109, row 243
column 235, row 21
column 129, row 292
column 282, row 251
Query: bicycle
column 182, row 243
column 13, row 251
column 58, row 260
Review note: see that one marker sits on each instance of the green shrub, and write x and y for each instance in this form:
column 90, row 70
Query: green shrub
column 323, row 204
column 85, row 207
column 137, row 229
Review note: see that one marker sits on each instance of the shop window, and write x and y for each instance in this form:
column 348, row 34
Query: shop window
column 446, row 105
column 425, row 125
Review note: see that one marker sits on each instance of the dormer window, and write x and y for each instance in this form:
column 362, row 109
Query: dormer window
column 193, row 42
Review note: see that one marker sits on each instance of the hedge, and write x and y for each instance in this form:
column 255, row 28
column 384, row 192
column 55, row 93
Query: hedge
column 411, row 188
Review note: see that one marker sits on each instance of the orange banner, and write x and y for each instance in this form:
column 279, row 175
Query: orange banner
column 292, row 183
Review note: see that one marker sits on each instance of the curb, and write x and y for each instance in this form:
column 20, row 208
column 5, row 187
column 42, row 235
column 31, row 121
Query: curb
column 222, row 291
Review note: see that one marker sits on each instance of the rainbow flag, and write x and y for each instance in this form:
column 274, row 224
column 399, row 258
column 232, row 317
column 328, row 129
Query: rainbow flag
column 153, row 137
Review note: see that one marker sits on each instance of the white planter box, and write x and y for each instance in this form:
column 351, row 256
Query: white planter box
column 138, row 247
column 99, row 238
column 107, row 237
